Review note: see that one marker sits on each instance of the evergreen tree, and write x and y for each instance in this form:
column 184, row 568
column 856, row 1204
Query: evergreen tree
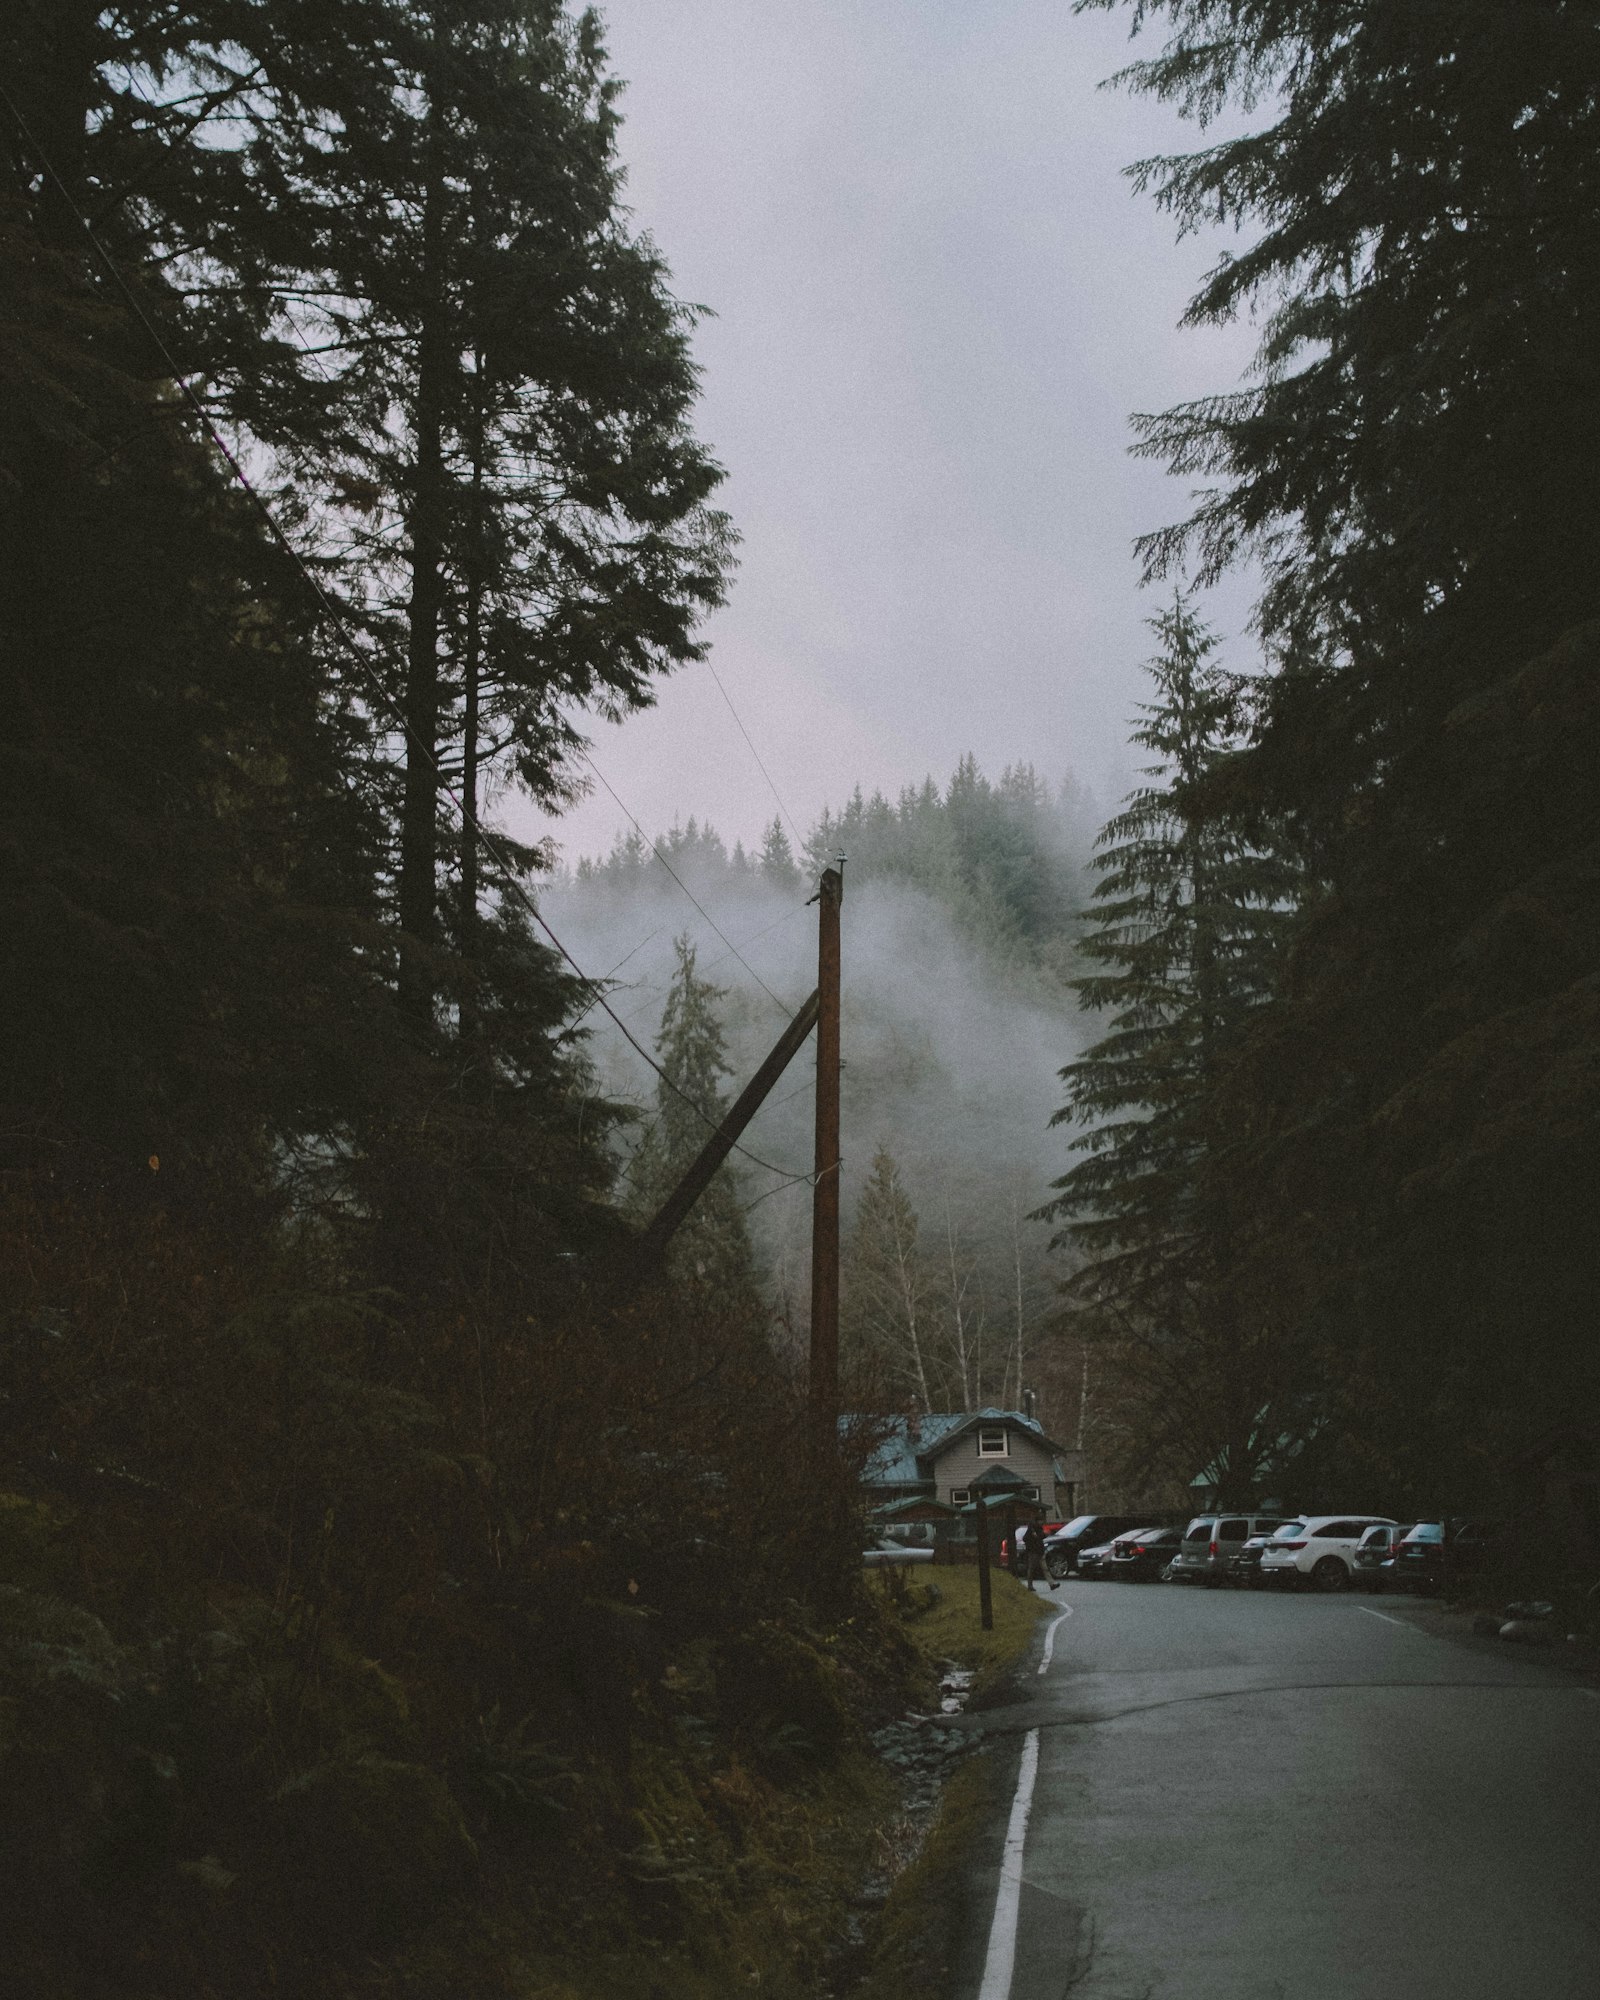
column 190, row 842
column 712, row 1247
column 387, row 242
column 273, row 181
column 1413, row 468
column 1188, row 926
column 523, row 383
column 776, row 860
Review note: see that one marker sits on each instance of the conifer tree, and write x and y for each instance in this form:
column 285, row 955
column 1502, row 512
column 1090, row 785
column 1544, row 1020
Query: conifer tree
column 712, row 1247
column 776, row 860
column 523, row 382
column 1188, row 924
column 1412, row 468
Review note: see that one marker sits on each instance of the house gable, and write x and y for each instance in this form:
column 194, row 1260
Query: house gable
column 956, row 1456
column 967, row 1462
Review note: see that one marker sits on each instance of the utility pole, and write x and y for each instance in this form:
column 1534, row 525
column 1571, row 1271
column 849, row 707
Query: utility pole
column 824, row 1360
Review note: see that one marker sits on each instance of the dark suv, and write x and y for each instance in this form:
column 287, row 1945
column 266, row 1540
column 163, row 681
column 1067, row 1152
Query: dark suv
column 1086, row 1532
column 1436, row 1555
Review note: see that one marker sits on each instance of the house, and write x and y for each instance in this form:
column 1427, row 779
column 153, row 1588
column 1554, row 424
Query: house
column 956, row 1457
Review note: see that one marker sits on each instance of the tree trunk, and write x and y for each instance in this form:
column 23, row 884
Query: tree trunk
column 472, row 703
column 419, row 837
column 57, row 108
column 908, row 1297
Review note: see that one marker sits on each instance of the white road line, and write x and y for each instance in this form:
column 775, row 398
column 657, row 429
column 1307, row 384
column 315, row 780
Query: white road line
column 1050, row 1638
column 1401, row 1622
column 1002, row 1958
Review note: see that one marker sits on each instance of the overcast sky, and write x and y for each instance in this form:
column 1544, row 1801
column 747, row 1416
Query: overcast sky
column 937, row 300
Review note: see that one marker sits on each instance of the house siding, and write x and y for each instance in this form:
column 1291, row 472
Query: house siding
column 1034, row 1464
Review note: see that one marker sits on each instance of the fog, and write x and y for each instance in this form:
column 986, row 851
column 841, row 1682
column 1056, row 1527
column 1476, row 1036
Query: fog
column 951, row 1047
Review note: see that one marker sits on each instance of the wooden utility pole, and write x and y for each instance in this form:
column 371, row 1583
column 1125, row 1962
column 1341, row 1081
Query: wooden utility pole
column 824, row 1363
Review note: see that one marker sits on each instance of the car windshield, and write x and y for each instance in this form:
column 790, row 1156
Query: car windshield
column 1427, row 1531
column 1077, row 1525
column 1289, row 1528
column 1199, row 1531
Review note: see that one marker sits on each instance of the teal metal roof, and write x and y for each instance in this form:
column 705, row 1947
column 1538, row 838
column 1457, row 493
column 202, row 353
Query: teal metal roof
column 910, row 1444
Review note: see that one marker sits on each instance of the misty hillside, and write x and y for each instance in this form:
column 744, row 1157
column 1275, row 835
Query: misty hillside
column 958, row 922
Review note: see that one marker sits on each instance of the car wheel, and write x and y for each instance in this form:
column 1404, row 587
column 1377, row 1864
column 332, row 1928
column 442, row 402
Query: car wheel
column 1056, row 1568
column 1329, row 1574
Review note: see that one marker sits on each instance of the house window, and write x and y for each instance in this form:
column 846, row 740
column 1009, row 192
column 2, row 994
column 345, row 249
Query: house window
column 993, row 1444
column 1030, row 1492
column 959, row 1496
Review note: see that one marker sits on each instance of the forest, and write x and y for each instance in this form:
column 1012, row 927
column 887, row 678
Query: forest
column 395, row 1599
column 959, row 930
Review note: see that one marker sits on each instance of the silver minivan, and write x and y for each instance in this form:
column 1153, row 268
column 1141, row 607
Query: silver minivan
column 1211, row 1545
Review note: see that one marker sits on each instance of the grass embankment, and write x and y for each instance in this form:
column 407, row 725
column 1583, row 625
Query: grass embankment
column 917, row 1936
column 947, row 1626
column 204, row 1791
column 756, row 1869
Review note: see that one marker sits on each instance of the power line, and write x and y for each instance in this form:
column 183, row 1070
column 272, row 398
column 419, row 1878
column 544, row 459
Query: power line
column 783, row 1007
column 794, row 1180
column 606, row 978
column 789, row 1097
column 338, row 621
column 798, row 911
column 754, row 752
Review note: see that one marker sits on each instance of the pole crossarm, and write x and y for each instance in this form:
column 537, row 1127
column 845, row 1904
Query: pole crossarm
column 653, row 1243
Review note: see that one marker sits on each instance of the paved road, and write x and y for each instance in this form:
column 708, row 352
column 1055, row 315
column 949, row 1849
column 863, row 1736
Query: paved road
column 1246, row 1796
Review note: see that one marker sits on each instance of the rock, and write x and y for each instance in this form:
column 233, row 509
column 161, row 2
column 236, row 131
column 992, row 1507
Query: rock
column 1531, row 1608
column 1525, row 1632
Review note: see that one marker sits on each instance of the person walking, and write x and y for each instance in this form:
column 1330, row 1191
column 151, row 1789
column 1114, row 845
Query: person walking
column 1034, row 1571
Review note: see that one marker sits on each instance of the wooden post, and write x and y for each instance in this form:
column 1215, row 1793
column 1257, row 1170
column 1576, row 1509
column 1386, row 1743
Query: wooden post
column 824, row 1358
column 985, row 1588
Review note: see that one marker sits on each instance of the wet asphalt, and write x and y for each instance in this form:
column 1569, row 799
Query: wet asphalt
column 1253, row 1796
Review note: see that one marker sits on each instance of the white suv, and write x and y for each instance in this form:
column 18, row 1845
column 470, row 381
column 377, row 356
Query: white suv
column 1319, row 1550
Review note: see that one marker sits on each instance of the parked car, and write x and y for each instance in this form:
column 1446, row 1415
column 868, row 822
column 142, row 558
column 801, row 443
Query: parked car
column 1142, row 1554
column 885, row 1554
column 1244, row 1567
column 1377, row 1544
column 1436, row 1555
column 1062, row 1549
column 1211, row 1543
column 1093, row 1562
column 1320, row 1551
